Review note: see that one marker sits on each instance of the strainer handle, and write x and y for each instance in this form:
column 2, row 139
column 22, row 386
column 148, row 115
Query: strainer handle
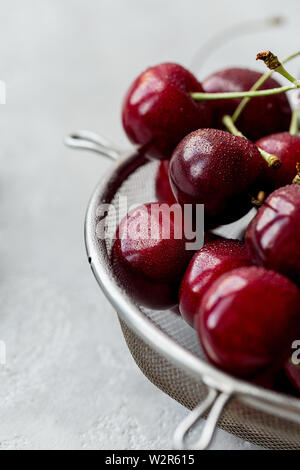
column 87, row 140
column 214, row 401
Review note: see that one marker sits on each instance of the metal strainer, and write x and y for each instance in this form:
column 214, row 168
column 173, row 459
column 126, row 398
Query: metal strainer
column 164, row 347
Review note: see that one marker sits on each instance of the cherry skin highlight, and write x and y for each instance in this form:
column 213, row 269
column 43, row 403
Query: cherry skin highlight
column 286, row 147
column 207, row 265
column 217, row 169
column 248, row 320
column 158, row 110
column 262, row 116
column 149, row 255
column 272, row 237
column 163, row 188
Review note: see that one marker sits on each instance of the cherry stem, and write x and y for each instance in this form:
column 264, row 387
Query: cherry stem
column 272, row 160
column 273, row 63
column 259, row 84
column 229, row 124
column 296, row 180
column 198, row 96
column 294, row 127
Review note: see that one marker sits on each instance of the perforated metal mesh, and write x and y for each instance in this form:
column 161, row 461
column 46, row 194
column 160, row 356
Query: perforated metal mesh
column 245, row 422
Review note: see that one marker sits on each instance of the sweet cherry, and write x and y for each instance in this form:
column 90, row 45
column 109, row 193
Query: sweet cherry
column 293, row 373
column 248, row 320
column 287, row 148
column 209, row 263
column 262, row 116
column 217, row 169
column 158, row 110
column 149, row 255
column 272, row 237
column 163, row 188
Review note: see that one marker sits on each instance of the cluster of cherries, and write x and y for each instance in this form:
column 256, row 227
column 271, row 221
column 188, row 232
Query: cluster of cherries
column 242, row 297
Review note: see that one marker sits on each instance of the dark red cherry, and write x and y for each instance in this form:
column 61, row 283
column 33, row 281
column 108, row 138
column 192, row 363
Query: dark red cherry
column 211, row 237
column 262, row 116
column 273, row 378
column 149, row 255
column 209, row 263
column 272, row 237
column 163, row 188
column 158, row 110
column 293, row 373
column 217, row 169
column 248, row 320
column 286, row 147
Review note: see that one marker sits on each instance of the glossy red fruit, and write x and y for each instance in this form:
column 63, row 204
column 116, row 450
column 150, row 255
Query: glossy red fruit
column 149, row 255
column 293, row 373
column 207, row 265
column 272, row 237
column 262, row 116
column 248, row 320
column 211, row 237
column 273, row 379
column 163, row 189
column 158, row 110
column 286, row 147
column 217, row 169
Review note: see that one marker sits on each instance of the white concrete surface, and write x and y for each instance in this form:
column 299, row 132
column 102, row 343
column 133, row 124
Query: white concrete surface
column 69, row 381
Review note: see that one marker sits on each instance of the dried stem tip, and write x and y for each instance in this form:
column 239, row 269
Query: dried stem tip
column 274, row 162
column 259, row 199
column 296, row 180
column 270, row 59
column 261, row 196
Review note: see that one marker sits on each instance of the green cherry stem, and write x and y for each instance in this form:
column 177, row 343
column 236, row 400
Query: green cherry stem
column 294, row 127
column 253, row 93
column 272, row 160
column 259, row 84
column 229, row 124
column 198, row 96
column 273, row 63
column 245, row 101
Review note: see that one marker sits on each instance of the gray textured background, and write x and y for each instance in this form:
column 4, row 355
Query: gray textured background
column 69, row 381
